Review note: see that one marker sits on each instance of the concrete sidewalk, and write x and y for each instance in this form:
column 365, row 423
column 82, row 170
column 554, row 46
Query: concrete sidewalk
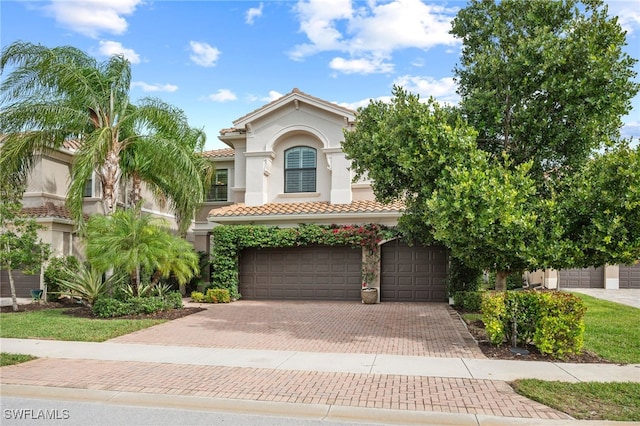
column 483, row 369
column 385, row 389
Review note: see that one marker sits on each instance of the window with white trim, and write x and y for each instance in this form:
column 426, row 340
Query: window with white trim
column 219, row 187
column 300, row 169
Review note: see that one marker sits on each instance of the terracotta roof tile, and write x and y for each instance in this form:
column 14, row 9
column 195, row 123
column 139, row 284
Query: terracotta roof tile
column 71, row 144
column 317, row 207
column 219, row 153
column 48, row 210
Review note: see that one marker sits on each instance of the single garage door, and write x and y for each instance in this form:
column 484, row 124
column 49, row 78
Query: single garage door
column 413, row 274
column 24, row 283
column 581, row 278
column 630, row 276
column 301, row 273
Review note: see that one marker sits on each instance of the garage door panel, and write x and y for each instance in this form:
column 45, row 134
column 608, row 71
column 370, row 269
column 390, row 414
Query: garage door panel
column 413, row 273
column 629, row 276
column 301, row 273
column 581, row 278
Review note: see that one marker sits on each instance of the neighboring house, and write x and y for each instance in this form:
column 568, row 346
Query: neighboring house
column 611, row 277
column 44, row 199
column 285, row 166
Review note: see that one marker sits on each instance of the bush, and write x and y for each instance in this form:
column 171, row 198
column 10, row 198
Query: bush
column 197, row 296
column 560, row 329
column 462, row 277
column 469, row 301
column 217, row 295
column 174, row 300
column 86, row 283
column 109, row 307
column 552, row 321
column 56, row 271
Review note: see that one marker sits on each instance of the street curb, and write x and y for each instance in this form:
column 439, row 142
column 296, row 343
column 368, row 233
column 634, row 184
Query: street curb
column 319, row 412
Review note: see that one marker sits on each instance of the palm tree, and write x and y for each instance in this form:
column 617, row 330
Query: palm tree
column 56, row 94
column 131, row 242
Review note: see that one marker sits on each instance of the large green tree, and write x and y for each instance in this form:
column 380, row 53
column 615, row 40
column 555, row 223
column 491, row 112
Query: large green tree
column 52, row 95
column 599, row 212
column 543, row 80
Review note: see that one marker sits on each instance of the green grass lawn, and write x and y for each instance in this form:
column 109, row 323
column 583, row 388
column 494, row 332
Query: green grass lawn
column 612, row 330
column 53, row 324
column 587, row 400
column 10, row 359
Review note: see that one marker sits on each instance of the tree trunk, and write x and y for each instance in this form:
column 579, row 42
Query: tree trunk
column 136, row 189
column 110, row 178
column 501, row 280
column 12, row 284
column 43, row 284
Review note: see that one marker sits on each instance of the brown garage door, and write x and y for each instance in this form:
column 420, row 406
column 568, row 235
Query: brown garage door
column 630, row 276
column 301, row 273
column 413, row 274
column 581, row 278
column 24, row 283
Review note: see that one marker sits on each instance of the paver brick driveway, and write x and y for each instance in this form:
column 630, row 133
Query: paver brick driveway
column 411, row 329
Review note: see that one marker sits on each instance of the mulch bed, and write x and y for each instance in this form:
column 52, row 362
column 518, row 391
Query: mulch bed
column 476, row 328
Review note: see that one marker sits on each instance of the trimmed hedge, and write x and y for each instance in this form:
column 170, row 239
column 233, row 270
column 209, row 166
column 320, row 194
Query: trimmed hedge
column 213, row 295
column 469, row 301
column 108, row 307
column 552, row 321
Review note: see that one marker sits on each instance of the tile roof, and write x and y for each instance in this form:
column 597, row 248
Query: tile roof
column 48, row 210
column 72, row 144
column 219, row 153
column 308, row 208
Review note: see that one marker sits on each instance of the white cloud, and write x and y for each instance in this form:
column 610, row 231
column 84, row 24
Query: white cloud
column 371, row 30
column 93, row 17
column 628, row 14
column 203, row 54
column 222, row 95
column 443, row 90
column 273, row 95
column 253, row 13
column 146, row 87
column 111, row 48
column 360, row 66
column 318, row 20
column 403, row 24
column 631, row 129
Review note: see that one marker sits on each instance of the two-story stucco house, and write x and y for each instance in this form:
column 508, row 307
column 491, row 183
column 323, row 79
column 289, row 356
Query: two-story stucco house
column 285, row 166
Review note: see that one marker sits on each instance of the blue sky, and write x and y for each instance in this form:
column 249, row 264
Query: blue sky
column 218, row 60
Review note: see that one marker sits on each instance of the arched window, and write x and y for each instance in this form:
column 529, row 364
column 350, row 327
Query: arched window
column 300, row 169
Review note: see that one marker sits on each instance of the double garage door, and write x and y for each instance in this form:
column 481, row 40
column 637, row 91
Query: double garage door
column 629, row 277
column 334, row 273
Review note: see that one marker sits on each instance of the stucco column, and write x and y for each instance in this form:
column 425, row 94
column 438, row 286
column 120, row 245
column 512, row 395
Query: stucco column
column 258, row 170
column 340, row 176
column 551, row 279
column 612, row 277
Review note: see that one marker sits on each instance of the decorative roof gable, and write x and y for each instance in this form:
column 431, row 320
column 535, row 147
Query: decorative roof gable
column 294, row 96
